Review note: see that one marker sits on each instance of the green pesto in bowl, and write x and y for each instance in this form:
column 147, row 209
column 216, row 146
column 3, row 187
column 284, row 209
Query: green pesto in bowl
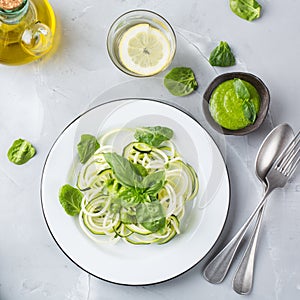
column 231, row 109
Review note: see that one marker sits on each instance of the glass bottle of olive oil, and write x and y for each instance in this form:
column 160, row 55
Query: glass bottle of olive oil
column 27, row 28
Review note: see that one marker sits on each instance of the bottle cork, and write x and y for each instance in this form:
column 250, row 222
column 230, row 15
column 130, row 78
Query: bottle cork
column 10, row 4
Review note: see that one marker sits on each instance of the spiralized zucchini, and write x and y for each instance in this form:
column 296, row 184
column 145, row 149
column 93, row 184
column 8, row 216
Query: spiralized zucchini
column 102, row 218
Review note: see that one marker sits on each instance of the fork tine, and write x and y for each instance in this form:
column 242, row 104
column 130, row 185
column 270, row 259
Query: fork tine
column 287, row 153
column 292, row 169
column 288, row 160
column 292, row 151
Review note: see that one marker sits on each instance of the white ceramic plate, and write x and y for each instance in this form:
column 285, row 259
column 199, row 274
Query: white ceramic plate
column 139, row 264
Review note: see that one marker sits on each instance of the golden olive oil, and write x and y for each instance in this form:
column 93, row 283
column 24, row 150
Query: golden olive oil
column 27, row 38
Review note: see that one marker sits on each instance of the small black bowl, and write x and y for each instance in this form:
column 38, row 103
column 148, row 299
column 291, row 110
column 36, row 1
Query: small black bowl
column 264, row 102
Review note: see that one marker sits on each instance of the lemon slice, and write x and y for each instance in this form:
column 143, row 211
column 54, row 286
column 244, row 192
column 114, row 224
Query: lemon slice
column 144, row 50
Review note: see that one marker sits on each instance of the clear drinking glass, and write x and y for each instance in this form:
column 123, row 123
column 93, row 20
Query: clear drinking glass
column 128, row 25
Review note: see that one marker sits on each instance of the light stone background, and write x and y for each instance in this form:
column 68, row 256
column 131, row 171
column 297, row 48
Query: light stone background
column 40, row 99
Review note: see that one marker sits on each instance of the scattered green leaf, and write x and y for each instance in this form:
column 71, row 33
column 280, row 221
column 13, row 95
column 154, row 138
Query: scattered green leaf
column 20, row 152
column 70, row 198
column 180, row 81
column 153, row 136
column 246, row 9
column 222, row 56
column 86, row 147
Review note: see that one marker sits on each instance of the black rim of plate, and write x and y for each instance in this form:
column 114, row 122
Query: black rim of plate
column 128, row 99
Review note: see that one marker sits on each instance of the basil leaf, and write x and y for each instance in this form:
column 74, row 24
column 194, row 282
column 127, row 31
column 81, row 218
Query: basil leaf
column 249, row 111
column 180, row 81
column 153, row 136
column 20, row 152
column 153, row 182
column 130, row 197
column 222, row 56
column 86, row 147
column 125, row 209
column 115, row 206
column 128, row 216
column 240, row 89
column 140, row 170
column 246, row 9
column 151, row 215
column 125, row 172
column 70, row 198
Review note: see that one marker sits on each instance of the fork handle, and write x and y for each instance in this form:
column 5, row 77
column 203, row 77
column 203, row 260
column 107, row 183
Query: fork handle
column 217, row 269
column 243, row 279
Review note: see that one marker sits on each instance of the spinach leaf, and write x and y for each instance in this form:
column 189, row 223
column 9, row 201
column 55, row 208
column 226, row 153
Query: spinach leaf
column 246, row 9
column 86, row 147
column 153, row 182
column 240, row 89
column 125, row 171
column 180, row 81
column 249, row 111
column 222, row 56
column 20, row 152
column 70, row 198
column 151, row 215
column 153, row 136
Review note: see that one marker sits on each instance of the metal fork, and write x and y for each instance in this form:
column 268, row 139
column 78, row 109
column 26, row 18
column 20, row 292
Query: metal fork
column 243, row 279
column 277, row 177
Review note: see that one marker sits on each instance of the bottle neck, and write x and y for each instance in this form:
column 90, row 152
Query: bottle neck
column 12, row 11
